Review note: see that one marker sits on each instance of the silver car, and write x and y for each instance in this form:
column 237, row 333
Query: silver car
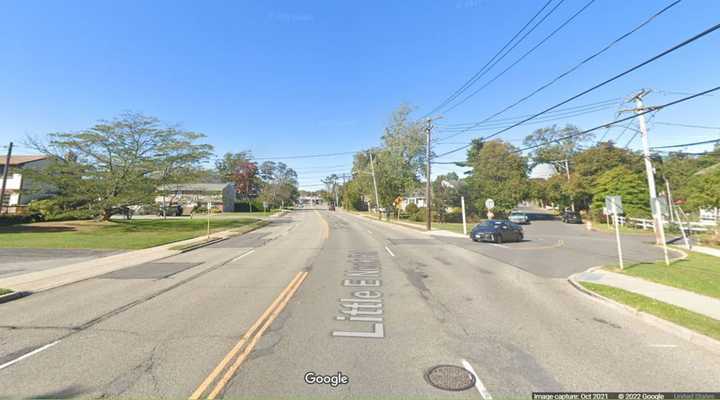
column 519, row 217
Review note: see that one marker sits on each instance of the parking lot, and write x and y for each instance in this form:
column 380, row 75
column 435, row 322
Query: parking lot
column 554, row 249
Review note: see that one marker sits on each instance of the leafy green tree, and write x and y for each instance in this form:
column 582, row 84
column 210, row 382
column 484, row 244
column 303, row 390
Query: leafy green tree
column 279, row 183
column 703, row 190
column 555, row 143
column 119, row 163
column 621, row 181
column 498, row 172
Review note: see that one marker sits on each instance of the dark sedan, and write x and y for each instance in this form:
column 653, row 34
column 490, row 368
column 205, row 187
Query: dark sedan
column 497, row 230
column 571, row 217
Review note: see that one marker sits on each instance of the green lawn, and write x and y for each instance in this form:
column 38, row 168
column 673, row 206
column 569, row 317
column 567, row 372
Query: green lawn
column 624, row 230
column 121, row 234
column 697, row 322
column 698, row 273
column 4, row 291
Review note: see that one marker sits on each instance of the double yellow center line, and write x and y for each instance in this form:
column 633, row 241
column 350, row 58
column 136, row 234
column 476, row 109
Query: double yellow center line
column 240, row 352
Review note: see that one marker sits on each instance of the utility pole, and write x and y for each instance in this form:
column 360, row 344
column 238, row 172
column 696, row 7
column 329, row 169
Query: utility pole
column 6, row 168
column 428, row 186
column 567, row 172
column 377, row 198
column 654, row 204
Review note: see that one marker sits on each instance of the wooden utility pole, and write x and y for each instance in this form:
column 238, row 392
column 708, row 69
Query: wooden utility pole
column 654, row 206
column 6, row 168
column 428, row 186
column 377, row 198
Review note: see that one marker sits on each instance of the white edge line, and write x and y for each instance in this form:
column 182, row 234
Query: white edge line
column 26, row 355
column 498, row 245
column 247, row 253
column 389, row 251
column 478, row 384
column 663, row 345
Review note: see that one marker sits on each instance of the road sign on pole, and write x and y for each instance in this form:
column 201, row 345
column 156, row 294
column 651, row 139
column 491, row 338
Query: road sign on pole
column 489, row 204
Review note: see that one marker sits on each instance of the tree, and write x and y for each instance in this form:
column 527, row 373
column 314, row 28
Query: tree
column 446, row 193
column 498, row 172
column 228, row 165
column 622, row 181
column 121, row 162
column 703, row 189
column 331, row 185
column 555, row 143
column 247, row 183
column 279, row 183
column 398, row 163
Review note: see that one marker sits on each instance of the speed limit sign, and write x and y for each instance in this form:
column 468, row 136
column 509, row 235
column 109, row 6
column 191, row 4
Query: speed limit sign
column 489, row 204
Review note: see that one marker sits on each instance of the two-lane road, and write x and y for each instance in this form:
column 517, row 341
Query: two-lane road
column 381, row 304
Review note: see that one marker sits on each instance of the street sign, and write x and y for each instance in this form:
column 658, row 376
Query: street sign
column 489, row 204
column 614, row 204
column 662, row 200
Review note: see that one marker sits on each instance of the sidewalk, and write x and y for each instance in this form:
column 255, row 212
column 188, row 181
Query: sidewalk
column 697, row 303
column 706, row 250
column 55, row 277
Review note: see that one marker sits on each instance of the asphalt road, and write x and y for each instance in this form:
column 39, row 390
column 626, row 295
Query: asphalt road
column 141, row 333
column 553, row 249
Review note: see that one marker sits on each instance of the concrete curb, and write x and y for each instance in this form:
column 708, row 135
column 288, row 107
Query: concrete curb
column 681, row 332
column 13, row 296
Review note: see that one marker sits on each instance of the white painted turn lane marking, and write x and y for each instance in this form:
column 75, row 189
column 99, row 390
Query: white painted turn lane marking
column 478, row 383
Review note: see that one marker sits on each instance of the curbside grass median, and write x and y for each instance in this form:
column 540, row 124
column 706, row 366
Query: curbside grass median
column 697, row 273
column 126, row 235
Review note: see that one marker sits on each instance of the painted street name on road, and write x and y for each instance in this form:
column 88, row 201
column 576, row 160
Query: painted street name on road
column 362, row 310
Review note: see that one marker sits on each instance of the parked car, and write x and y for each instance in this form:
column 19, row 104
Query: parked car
column 331, row 207
column 497, row 230
column 571, row 217
column 519, row 217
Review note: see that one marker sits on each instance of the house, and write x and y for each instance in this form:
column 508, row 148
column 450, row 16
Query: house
column 417, row 198
column 543, row 171
column 19, row 190
column 220, row 195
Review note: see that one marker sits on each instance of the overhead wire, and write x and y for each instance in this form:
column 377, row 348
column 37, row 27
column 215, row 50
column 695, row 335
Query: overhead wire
column 479, row 74
column 605, row 82
column 588, row 59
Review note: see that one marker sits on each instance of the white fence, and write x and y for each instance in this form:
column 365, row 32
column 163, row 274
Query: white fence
column 648, row 224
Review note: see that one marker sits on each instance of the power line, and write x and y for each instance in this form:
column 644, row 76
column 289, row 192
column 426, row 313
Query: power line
column 646, row 111
column 503, row 72
column 306, row 156
column 581, row 107
column 479, row 74
column 586, row 60
column 536, row 121
column 686, row 144
column 605, row 82
column 689, row 125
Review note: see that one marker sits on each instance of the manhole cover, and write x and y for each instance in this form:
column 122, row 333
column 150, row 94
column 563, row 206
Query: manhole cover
column 450, row 377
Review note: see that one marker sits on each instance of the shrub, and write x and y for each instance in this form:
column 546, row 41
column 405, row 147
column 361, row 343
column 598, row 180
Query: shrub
column 411, row 209
column 244, row 206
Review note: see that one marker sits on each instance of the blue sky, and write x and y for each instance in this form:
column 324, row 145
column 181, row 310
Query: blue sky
column 285, row 78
